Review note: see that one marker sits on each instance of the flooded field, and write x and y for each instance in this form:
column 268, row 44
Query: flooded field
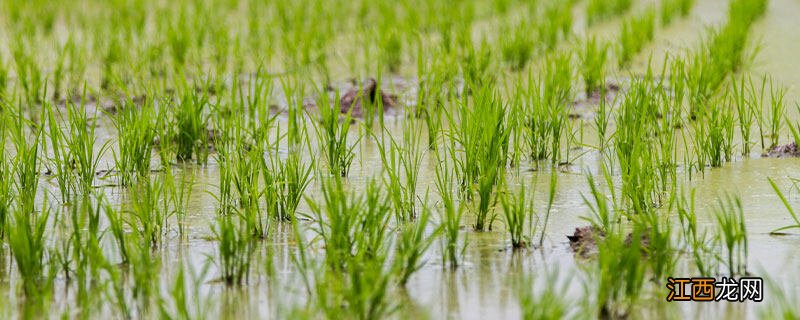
column 495, row 159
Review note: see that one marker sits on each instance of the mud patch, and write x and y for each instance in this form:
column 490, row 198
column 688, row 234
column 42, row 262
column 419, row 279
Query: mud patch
column 355, row 98
column 788, row 150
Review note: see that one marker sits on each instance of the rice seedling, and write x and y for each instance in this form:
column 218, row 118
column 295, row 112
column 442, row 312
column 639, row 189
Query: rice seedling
column 603, row 214
column 700, row 245
column 450, row 214
column 632, row 145
column 732, row 233
column 354, row 232
column 518, row 45
column 782, row 305
column 602, row 119
column 294, row 177
column 81, row 142
column 620, row 271
column 118, row 231
column 592, row 64
column 547, row 303
column 136, row 132
column 741, row 99
column 61, row 154
column 187, row 301
column 332, row 133
column 547, row 109
column 412, row 242
column 26, row 230
column 145, row 273
column 556, row 24
column 234, row 250
column 25, row 163
column 788, row 206
column 777, row 113
column 483, row 134
column 28, row 71
column 6, row 190
column 189, row 121
column 401, row 164
column 551, row 196
column 714, row 133
column 518, row 213
column 670, row 8
column 636, row 33
column 3, row 78
column 148, row 210
column 601, row 10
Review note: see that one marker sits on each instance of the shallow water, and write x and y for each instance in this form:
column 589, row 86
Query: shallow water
column 482, row 287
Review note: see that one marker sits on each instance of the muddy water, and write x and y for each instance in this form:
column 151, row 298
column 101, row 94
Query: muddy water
column 482, row 287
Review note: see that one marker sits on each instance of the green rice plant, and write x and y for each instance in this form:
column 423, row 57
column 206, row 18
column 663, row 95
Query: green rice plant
column 782, row 305
column 601, row 10
column 349, row 223
column 401, row 164
column 745, row 12
column 602, row 119
column 391, row 49
column 189, row 121
column 789, row 208
column 547, row 302
column 556, row 24
column 413, row 241
column 603, row 213
column 551, row 197
column 332, row 133
column 633, row 143
column 433, row 93
column 25, row 163
column 741, row 99
column 28, row 71
column 518, row 213
column 148, row 211
column 353, row 230
column 476, row 61
column 484, row 136
column 117, row 229
column 3, row 78
column 450, row 214
column 700, row 245
column 723, row 51
column 145, row 271
column 517, row 45
column 61, row 154
column 26, row 241
column 294, row 176
column 620, row 271
column 666, row 152
column 593, row 58
column 136, row 132
column 714, row 133
column 86, row 254
column 6, row 188
column 636, row 33
column 732, row 233
column 548, row 110
column 777, row 112
column 187, row 300
column 670, row 8
column 81, row 142
column 234, row 250
column 661, row 254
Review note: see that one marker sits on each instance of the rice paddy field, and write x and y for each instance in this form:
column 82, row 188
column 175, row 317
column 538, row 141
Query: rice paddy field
column 482, row 159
